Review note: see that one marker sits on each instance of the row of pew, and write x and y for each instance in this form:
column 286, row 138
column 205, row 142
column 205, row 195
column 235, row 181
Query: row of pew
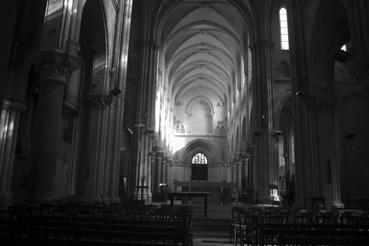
column 279, row 226
column 72, row 225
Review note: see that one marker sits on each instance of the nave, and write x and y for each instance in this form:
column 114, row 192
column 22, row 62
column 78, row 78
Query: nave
column 114, row 113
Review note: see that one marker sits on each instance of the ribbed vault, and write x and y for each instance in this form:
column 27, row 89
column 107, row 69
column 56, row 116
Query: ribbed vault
column 204, row 45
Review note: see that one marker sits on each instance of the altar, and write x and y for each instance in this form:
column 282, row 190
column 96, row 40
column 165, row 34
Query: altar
column 218, row 191
column 173, row 195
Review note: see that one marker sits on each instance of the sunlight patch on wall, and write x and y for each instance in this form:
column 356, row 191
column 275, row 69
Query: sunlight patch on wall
column 177, row 143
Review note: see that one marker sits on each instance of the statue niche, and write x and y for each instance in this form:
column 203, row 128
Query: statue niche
column 179, row 127
column 221, row 128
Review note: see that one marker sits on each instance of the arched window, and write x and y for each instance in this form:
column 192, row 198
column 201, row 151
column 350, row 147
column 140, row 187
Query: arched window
column 199, row 170
column 284, row 29
column 199, row 158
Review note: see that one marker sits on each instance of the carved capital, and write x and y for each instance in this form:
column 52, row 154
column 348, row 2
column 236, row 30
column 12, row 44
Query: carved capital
column 12, row 105
column 56, row 65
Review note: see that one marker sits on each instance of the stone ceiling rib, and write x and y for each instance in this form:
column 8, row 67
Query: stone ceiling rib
column 203, row 45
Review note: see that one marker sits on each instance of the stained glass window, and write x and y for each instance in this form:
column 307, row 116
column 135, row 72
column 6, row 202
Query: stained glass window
column 199, row 158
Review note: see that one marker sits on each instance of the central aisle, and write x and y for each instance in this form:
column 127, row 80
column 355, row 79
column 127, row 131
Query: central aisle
column 213, row 230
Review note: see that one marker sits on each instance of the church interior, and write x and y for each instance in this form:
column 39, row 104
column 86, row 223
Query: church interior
column 147, row 122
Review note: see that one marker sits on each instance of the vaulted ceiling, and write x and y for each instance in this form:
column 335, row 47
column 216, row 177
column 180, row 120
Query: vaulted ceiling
column 204, row 45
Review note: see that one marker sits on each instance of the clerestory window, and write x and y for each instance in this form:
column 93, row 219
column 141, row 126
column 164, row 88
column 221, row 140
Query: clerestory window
column 284, row 29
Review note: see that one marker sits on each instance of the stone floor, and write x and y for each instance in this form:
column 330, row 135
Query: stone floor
column 213, row 230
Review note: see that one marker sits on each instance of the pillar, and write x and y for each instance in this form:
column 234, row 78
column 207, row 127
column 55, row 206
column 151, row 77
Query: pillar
column 9, row 118
column 146, row 117
column 156, row 157
column 305, row 136
column 264, row 143
column 115, row 136
column 103, row 143
column 56, row 67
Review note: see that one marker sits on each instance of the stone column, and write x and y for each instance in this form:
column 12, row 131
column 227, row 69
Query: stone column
column 155, row 168
column 146, row 109
column 164, row 170
column 304, row 119
column 56, row 67
column 9, row 118
column 93, row 166
column 114, row 134
column 263, row 96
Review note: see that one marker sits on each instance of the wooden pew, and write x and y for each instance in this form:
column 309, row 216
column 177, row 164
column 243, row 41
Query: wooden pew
column 313, row 234
column 64, row 230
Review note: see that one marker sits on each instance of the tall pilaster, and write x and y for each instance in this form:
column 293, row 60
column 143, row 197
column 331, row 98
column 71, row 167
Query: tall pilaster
column 9, row 118
column 56, row 67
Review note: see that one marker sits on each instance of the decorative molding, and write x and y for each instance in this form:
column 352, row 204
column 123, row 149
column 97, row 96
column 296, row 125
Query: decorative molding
column 56, row 64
